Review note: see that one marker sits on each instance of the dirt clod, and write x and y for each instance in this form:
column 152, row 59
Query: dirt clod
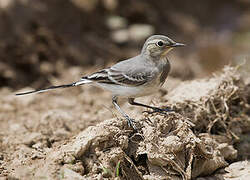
column 200, row 137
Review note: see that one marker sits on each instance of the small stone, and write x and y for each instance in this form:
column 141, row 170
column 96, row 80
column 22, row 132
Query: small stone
column 31, row 139
column 38, row 145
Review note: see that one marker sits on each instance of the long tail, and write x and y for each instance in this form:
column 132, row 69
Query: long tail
column 82, row 81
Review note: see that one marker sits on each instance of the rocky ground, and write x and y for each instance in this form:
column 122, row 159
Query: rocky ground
column 72, row 134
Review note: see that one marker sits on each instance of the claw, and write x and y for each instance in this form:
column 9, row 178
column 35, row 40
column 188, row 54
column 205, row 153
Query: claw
column 167, row 110
column 159, row 110
column 131, row 123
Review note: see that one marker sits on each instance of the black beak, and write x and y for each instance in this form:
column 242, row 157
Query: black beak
column 177, row 45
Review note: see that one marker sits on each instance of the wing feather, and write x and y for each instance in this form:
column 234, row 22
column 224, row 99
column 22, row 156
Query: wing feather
column 100, row 77
column 124, row 78
column 129, row 78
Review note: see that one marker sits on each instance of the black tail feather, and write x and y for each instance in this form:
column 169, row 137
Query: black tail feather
column 47, row 89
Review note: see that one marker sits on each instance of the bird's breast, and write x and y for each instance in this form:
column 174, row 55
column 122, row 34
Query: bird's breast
column 164, row 68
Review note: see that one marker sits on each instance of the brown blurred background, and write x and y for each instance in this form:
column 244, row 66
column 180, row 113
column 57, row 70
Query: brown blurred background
column 43, row 39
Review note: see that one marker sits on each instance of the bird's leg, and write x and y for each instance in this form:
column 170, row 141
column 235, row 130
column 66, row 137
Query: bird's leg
column 155, row 109
column 130, row 121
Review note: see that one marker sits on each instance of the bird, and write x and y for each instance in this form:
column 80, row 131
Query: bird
column 135, row 77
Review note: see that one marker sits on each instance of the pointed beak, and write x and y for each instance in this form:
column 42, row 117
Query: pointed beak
column 170, row 47
column 177, row 45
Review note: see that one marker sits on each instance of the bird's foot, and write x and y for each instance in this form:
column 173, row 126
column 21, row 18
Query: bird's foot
column 159, row 110
column 131, row 122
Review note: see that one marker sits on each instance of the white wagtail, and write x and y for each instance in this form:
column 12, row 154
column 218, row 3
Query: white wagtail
column 135, row 77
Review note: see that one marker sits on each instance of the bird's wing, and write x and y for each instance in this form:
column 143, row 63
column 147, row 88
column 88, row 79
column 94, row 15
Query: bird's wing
column 99, row 77
column 129, row 78
column 119, row 77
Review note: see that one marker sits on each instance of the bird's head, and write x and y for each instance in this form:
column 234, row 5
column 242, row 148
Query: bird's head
column 158, row 46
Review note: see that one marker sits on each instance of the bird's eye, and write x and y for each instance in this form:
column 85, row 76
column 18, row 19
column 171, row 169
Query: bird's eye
column 160, row 43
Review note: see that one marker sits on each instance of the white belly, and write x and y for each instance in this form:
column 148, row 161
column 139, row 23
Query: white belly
column 132, row 92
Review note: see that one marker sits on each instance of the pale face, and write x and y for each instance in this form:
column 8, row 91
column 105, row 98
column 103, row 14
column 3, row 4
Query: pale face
column 159, row 46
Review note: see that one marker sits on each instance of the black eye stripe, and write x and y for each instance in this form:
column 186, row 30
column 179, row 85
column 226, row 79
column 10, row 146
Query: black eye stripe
column 160, row 43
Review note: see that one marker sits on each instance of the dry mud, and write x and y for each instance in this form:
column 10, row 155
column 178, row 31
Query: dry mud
column 48, row 136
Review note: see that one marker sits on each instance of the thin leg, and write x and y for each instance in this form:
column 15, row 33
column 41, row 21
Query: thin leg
column 155, row 109
column 130, row 121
